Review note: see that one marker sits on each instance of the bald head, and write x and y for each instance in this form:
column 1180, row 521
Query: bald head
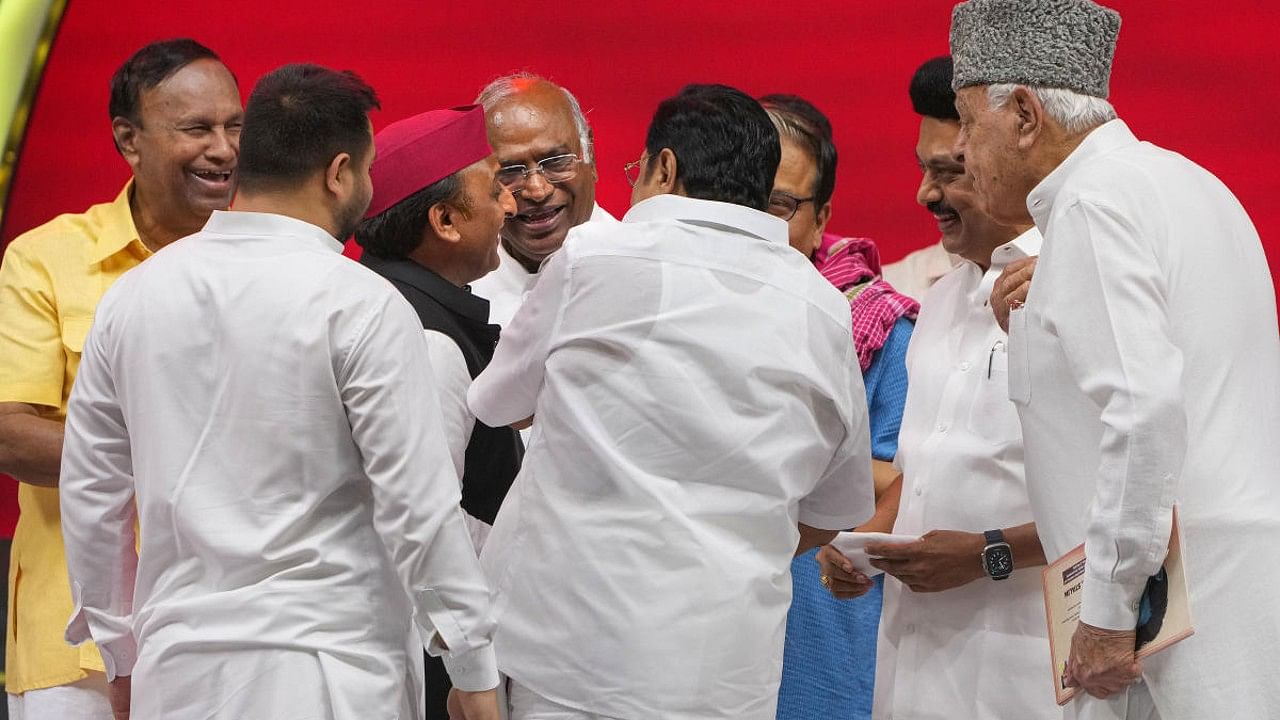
column 530, row 120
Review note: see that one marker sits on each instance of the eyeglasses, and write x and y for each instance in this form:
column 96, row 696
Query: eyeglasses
column 632, row 171
column 782, row 205
column 555, row 169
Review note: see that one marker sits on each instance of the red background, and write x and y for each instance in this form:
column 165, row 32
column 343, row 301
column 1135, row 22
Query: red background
column 1201, row 78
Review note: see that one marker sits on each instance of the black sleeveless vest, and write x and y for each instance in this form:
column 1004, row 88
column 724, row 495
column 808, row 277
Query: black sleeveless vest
column 493, row 454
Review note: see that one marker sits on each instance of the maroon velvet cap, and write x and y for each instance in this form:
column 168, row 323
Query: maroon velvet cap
column 424, row 149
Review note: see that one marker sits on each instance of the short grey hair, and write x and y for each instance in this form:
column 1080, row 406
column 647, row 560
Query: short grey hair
column 508, row 86
column 1075, row 112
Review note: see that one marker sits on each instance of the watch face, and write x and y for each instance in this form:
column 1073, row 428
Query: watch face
column 999, row 560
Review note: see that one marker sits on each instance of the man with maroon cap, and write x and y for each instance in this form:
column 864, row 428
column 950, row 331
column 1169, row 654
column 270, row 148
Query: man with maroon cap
column 432, row 228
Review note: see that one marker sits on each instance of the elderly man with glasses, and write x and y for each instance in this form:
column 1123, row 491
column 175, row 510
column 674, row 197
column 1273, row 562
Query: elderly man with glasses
column 543, row 144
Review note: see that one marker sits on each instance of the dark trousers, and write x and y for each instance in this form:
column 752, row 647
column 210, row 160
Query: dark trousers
column 438, row 685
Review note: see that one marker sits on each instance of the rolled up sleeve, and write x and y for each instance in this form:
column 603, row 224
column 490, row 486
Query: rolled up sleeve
column 97, row 503
column 395, row 416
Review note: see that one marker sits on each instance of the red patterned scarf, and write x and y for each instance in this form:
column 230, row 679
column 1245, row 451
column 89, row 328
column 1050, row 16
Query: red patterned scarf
column 853, row 266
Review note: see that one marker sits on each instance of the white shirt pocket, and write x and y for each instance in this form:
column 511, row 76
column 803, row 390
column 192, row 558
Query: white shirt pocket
column 991, row 416
column 1019, row 358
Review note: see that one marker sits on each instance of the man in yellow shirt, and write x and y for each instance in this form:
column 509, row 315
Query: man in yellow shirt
column 175, row 117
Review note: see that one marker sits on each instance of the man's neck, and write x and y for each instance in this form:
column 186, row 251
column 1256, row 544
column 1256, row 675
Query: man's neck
column 1000, row 236
column 299, row 206
column 155, row 230
column 455, row 275
column 1055, row 151
column 530, row 266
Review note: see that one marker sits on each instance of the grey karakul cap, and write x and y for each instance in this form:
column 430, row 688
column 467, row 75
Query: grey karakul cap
column 1046, row 43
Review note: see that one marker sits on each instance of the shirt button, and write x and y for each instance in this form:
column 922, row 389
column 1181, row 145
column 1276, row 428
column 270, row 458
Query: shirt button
column 964, row 366
column 910, row 628
column 943, row 427
column 919, row 492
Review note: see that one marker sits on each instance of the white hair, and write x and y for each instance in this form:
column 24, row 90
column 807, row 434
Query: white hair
column 508, row 86
column 1075, row 112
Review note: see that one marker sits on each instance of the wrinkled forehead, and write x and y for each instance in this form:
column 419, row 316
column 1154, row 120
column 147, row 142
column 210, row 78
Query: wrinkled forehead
column 971, row 99
column 532, row 126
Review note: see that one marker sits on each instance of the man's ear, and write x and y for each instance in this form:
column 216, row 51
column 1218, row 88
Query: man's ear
column 1029, row 116
column 823, row 217
column 125, row 135
column 338, row 178
column 664, row 168
column 442, row 220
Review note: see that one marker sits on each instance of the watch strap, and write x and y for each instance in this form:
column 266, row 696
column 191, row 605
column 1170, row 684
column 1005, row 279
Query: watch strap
column 995, row 538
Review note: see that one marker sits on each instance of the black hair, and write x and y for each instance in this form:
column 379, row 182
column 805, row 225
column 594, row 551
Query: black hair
column 394, row 233
column 931, row 93
column 799, row 120
column 298, row 118
column 726, row 146
column 148, row 67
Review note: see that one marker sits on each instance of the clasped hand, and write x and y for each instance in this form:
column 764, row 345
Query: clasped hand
column 939, row 560
column 1102, row 661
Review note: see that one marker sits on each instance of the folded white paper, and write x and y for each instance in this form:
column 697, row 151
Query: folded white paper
column 853, row 546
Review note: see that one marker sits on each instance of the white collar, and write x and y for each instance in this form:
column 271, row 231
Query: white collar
column 735, row 217
column 1025, row 245
column 1103, row 139
column 261, row 224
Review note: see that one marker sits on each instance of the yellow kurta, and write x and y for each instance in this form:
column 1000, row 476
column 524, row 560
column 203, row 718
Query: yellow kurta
column 51, row 279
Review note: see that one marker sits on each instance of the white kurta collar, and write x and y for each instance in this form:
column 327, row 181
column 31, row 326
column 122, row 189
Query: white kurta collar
column 260, row 224
column 737, row 217
column 599, row 214
column 1025, row 245
column 1105, row 138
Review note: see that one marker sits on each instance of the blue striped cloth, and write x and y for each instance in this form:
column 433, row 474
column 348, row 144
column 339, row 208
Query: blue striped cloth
column 828, row 665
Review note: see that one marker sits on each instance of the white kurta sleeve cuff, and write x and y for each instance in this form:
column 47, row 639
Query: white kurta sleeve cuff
column 118, row 656
column 474, row 670
column 1109, row 604
column 114, row 638
column 831, row 522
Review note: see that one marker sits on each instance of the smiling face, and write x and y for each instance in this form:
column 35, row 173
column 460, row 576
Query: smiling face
column 487, row 206
column 184, row 148
column 946, row 191
column 530, row 126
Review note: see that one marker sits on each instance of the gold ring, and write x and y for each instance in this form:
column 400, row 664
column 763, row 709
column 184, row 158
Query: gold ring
column 825, row 580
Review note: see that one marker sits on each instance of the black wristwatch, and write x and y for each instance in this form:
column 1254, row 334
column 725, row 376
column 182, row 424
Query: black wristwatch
column 997, row 556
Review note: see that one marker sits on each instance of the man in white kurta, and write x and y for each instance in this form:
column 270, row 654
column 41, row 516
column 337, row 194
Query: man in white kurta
column 701, row 418
column 696, row 397
column 978, row 650
column 1146, row 369
column 295, row 499
column 1135, row 396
